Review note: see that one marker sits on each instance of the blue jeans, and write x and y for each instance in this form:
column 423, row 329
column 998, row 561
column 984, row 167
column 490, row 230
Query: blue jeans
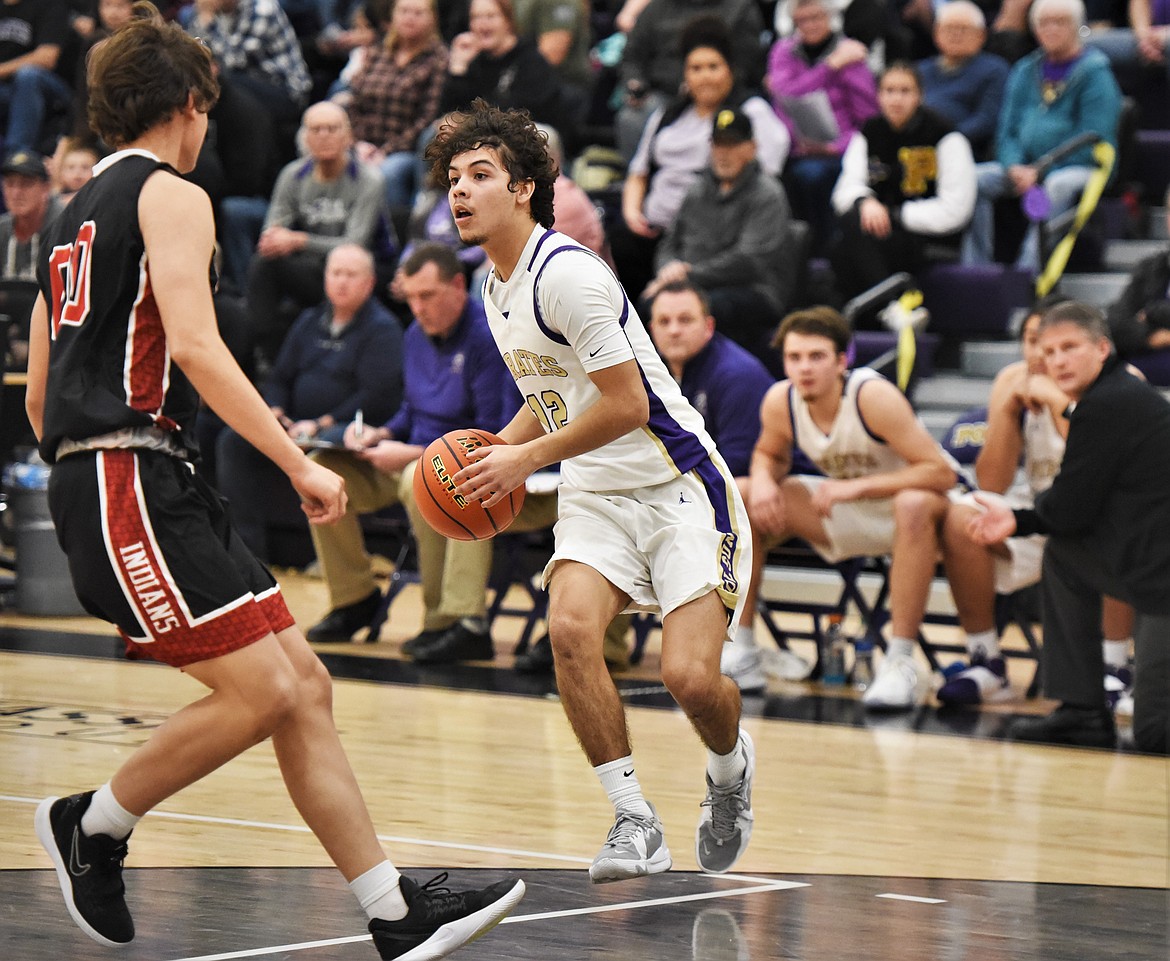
column 26, row 98
column 1063, row 186
column 240, row 222
column 400, row 171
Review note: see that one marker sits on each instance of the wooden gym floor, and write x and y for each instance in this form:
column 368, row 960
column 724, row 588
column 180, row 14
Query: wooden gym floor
column 915, row 836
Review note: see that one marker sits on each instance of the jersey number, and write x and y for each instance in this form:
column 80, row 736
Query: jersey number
column 549, row 408
column 69, row 272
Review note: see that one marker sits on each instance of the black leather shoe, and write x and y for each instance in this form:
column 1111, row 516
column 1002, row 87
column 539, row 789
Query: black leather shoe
column 1080, row 726
column 538, row 659
column 341, row 623
column 457, row 643
column 421, row 640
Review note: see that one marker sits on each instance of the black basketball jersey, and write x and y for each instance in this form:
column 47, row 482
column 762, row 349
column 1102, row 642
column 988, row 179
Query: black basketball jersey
column 109, row 366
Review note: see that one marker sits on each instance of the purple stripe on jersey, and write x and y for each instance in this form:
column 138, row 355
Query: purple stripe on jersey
column 716, row 486
column 540, row 243
column 545, row 329
column 684, row 449
column 861, row 417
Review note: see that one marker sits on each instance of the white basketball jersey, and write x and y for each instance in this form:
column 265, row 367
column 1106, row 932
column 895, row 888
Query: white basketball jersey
column 848, row 450
column 562, row 315
column 1043, row 449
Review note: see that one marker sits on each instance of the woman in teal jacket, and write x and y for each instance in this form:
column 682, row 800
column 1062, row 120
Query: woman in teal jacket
column 1055, row 93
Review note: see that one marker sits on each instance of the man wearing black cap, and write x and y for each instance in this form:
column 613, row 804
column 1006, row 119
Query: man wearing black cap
column 729, row 237
column 31, row 208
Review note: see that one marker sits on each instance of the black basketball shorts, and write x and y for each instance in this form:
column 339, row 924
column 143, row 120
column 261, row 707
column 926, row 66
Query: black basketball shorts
column 152, row 551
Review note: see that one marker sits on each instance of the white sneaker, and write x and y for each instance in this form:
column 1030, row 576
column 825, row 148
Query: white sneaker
column 898, row 685
column 725, row 825
column 634, row 848
column 743, row 664
column 783, row 665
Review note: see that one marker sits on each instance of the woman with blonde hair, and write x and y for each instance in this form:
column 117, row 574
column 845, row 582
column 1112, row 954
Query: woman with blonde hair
column 395, row 95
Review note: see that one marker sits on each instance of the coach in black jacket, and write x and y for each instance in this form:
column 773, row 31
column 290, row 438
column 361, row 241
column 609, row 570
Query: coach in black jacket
column 1107, row 515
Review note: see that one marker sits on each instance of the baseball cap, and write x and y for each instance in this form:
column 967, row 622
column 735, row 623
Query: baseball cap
column 731, row 126
column 27, row 162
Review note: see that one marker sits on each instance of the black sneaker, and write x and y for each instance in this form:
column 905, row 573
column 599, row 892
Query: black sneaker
column 457, row 643
column 341, row 623
column 439, row 920
column 89, row 870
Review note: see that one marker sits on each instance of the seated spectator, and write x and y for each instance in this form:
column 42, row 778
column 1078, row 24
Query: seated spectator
column 493, row 62
column 1059, row 91
column 342, row 356
column 1139, row 319
column 326, row 199
column 652, row 66
column 452, row 377
column 576, row 215
column 394, row 97
column 1025, row 422
column 264, row 86
column 963, row 83
column 31, row 208
column 32, row 33
column 72, row 164
column 726, row 385
column 826, row 74
column 1141, row 51
column 562, row 32
column 728, row 238
column 906, row 190
column 877, row 459
column 111, row 14
column 676, row 147
column 354, row 44
column 1107, row 517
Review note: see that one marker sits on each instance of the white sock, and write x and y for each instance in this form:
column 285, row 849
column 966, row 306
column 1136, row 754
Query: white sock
column 378, row 893
column 900, row 647
column 984, row 642
column 107, row 816
column 1116, row 652
column 726, row 769
column 744, row 637
column 621, row 784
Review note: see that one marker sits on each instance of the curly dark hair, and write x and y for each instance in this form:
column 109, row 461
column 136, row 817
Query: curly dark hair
column 143, row 73
column 522, row 147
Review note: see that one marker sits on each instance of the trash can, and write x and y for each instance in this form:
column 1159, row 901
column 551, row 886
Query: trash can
column 43, row 584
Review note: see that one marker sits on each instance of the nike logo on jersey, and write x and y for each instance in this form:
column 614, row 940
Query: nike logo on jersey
column 594, row 353
column 627, row 773
column 76, row 868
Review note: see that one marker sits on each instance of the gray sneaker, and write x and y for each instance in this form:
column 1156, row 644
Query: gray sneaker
column 635, row 847
column 725, row 825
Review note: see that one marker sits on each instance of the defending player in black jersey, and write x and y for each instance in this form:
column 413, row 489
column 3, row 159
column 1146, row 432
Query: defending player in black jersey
column 123, row 340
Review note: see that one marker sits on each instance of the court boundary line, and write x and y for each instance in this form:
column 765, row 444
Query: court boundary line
column 519, row 919
column 388, row 838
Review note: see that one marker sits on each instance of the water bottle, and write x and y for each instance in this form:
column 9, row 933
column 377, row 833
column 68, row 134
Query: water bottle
column 833, row 653
column 862, row 663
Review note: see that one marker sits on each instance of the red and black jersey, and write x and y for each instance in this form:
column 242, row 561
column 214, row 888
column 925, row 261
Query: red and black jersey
column 109, row 366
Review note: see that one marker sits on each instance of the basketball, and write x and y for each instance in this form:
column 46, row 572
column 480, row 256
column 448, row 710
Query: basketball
column 434, row 491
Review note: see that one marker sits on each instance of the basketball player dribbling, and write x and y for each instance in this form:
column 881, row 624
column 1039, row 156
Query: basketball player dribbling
column 123, row 342
column 649, row 515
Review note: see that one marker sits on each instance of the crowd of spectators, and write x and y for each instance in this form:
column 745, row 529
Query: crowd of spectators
column 899, row 133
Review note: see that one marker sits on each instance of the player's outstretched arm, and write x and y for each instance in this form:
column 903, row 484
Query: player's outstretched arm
column 178, row 260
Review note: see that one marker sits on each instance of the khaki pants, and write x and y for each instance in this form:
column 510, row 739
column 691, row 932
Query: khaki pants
column 453, row 574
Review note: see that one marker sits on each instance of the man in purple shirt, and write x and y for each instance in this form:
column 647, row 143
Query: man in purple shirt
column 452, row 377
column 725, row 384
